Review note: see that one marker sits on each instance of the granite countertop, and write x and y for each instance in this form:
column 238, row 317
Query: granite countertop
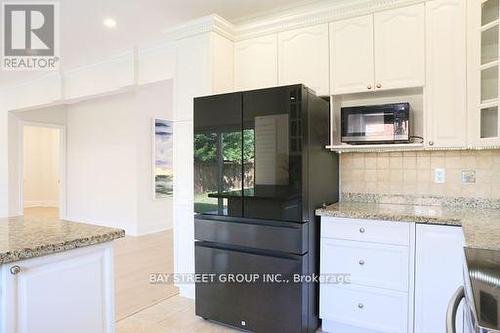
column 481, row 226
column 28, row 237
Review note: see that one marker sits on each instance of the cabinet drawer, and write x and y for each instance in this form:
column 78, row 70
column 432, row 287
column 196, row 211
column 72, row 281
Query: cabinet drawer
column 397, row 233
column 369, row 308
column 373, row 265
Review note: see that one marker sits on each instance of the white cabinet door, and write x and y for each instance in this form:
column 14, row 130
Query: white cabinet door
column 351, row 55
column 66, row 292
column 256, row 63
column 369, row 264
column 439, row 273
column 483, row 73
column 303, row 58
column 446, row 67
column 399, row 47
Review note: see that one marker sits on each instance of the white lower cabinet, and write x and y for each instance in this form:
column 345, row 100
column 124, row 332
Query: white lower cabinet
column 402, row 275
column 365, row 309
column 378, row 256
column 439, row 273
column 367, row 263
column 371, row 231
column 66, row 292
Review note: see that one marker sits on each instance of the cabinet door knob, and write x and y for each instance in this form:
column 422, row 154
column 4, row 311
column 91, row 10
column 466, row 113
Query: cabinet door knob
column 14, row 270
column 362, row 230
column 361, row 262
column 361, row 305
column 431, row 143
column 379, row 85
column 369, row 87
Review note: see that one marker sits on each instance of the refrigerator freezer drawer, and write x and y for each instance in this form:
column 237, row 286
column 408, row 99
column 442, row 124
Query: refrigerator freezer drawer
column 254, row 306
column 288, row 238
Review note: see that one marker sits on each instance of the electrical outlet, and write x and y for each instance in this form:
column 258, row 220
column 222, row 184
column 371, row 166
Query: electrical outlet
column 439, row 176
column 468, row 176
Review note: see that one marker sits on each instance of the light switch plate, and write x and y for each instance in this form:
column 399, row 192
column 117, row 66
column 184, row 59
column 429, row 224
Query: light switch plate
column 439, row 176
column 468, row 176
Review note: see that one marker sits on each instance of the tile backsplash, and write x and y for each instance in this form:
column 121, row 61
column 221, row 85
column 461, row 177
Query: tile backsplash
column 469, row 174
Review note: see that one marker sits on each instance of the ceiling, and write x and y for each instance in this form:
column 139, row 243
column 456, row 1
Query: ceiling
column 84, row 39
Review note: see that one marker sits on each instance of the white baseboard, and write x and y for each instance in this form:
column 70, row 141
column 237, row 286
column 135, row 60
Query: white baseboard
column 152, row 229
column 41, row 203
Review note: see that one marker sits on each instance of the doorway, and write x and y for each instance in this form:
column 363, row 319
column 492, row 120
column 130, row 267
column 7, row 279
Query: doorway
column 42, row 170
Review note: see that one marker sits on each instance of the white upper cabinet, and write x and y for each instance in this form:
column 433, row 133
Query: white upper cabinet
column 483, row 70
column 256, row 63
column 378, row 52
column 446, row 67
column 399, row 47
column 351, row 55
column 303, row 58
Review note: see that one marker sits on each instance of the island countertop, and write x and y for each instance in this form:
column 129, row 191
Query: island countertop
column 29, row 237
column 481, row 226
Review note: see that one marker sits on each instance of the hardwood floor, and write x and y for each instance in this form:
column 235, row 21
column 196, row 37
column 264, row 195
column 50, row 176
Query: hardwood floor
column 175, row 314
column 42, row 211
column 135, row 259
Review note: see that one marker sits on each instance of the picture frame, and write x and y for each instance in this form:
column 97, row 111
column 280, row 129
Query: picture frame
column 162, row 158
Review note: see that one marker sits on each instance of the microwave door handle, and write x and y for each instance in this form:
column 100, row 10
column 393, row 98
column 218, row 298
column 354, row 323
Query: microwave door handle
column 451, row 312
column 375, row 114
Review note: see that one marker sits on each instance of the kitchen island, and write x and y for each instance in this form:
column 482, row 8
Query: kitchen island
column 56, row 276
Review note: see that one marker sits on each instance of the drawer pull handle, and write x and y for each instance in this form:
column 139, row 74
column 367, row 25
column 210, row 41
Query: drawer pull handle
column 361, row 305
column 14, row 270
column 362, row 230
column 361, row 262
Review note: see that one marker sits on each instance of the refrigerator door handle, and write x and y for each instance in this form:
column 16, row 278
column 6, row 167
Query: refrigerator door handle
column 451, row 312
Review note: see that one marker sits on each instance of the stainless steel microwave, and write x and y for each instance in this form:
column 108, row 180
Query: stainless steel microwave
column 388, row 123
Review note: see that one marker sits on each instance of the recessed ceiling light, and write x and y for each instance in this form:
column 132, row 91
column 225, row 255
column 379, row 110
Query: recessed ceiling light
column 109, row 22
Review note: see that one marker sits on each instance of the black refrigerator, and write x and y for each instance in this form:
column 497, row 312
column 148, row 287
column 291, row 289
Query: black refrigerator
column 260, row 171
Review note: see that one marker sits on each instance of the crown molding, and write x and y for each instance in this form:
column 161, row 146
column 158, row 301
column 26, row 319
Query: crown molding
column 205, row 24
column 293, row 18
column 323, row 12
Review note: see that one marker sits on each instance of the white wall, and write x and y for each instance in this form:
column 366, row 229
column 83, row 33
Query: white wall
column 4, row 163
column 153, row 101
column 109, row 160
column 41, row 166
column 101, row 182
column 53, row 116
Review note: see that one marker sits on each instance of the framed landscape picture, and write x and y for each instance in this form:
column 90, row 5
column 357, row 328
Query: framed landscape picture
column 162, row 158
